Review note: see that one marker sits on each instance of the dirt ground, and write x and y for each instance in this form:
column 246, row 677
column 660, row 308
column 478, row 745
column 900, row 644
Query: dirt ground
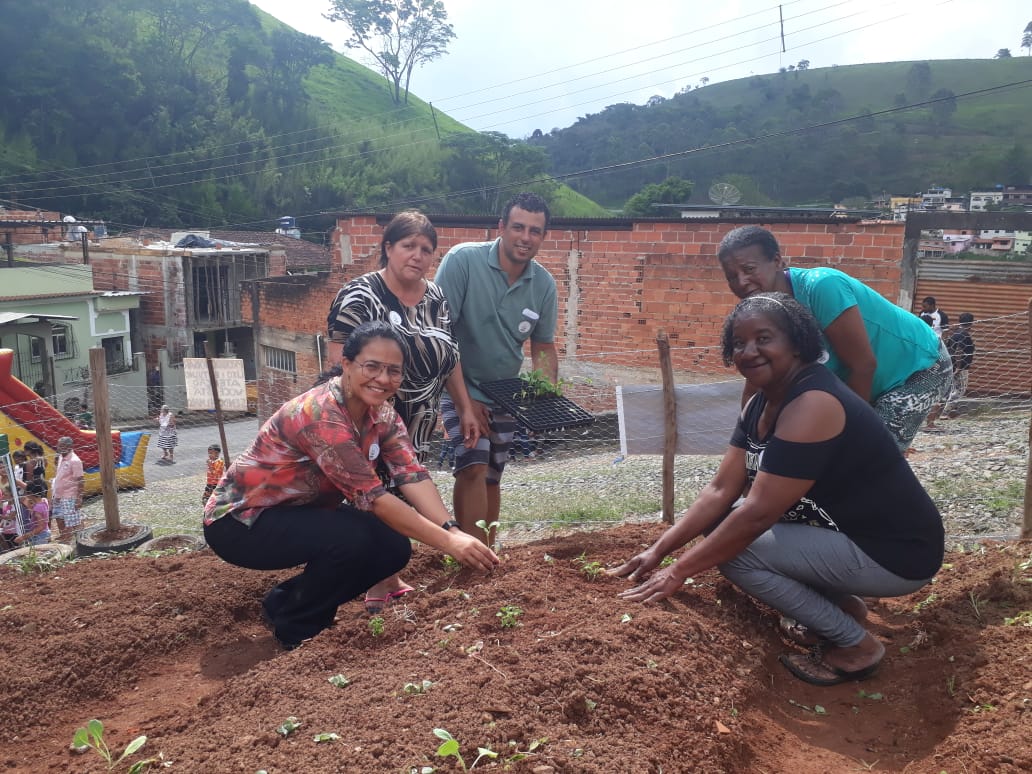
column 172, row 647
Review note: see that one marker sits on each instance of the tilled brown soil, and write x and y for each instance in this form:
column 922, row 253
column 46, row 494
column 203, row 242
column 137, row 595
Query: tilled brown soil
column 172, row 647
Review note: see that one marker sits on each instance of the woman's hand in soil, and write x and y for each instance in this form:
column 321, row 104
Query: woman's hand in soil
column 637, row 567
column 657, row 587
column 471, row 552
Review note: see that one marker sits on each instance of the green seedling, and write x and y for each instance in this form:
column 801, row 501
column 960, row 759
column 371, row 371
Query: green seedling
column 591, row 570
column 376, row 625
column 1024, row 618
column 872, row 696
column 487, row 528
column 288, row 726
column 667, row 561
column 326, row 736
column 450, row 564
column 421, row 687
column 339, row 681
column 36, row 563
column 816, row 709
column 626, row 618
column 536, row 385
column 92, row 738
column 449, row 748
column 509, row 616
column 518, row 754
column 930, row 599
column 951, row 685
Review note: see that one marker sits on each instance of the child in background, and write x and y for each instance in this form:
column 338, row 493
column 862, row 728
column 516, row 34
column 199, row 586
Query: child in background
column 37, row 516
column 36, row 468
column 216, row 467
column 8, row 521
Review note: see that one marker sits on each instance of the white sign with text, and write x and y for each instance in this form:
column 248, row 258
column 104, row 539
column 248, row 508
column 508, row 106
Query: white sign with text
column 229, row 376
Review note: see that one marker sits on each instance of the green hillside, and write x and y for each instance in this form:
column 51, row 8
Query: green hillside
column 201, row 113
column 770, row 134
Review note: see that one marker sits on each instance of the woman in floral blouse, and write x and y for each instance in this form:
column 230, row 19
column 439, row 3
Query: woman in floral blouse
column 278, row 505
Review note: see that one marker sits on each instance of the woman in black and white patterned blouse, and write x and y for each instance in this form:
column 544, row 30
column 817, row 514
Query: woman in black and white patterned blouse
column 400, row 294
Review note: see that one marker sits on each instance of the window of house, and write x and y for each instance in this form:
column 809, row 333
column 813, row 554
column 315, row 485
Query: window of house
column 60, row 343
column 280, row 359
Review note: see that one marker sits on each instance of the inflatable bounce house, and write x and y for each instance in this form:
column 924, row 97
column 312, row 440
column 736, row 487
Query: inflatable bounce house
column 25, row 416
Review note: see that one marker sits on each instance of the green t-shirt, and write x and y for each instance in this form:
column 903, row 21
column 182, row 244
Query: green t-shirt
column 903, row 343
column 492, row 319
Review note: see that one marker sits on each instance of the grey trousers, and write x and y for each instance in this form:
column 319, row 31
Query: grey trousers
column 805, row 571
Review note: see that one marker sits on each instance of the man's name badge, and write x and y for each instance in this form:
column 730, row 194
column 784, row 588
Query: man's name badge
column 374, row 451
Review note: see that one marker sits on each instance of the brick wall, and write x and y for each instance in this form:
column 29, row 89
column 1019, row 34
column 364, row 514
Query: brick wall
column 618, row 284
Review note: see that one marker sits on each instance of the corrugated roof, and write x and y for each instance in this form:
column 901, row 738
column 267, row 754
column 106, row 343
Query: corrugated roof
column 300, row 254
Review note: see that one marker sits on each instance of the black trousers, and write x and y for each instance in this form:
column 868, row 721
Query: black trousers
column 344, row 551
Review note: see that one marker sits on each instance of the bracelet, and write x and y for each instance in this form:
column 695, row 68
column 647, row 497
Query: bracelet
column 449, row 524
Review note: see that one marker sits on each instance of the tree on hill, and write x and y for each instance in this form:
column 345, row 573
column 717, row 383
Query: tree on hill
column 946, row 105
column 1026, row 39
column 673, row 190
column 1003, row 53
column 397, row 34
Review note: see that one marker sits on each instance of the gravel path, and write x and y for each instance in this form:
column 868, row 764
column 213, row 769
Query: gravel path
column 974, row 468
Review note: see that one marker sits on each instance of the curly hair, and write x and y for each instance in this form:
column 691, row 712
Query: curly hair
column 788, row 316
column 528, row 202
column 746, row 236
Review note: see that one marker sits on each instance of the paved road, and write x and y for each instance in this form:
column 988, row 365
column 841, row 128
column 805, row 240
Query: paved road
column 192, row 450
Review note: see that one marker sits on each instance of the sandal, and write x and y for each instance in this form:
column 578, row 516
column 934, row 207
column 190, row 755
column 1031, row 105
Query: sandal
column 376, row 605
column 813, row 669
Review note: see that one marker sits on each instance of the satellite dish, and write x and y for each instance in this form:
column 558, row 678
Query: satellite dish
column 724, row 193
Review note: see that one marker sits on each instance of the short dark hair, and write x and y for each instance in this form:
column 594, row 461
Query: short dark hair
column 746, row 236
column 36, row 489
column 928, row 319
column 929, row 300
column 529, row 202
column 787, row 314
column 215, row 448
column 404, row 225
column 19, row 455
column 966, row 317
column 366, row 332
column 33, row 448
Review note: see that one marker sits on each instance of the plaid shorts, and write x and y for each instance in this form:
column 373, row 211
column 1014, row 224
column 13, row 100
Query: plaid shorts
column 491, row 450
column 64, row 509
column 904, row 408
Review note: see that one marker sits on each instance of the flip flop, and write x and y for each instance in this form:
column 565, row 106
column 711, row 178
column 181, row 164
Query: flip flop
column 803, row 666
column 376, row 605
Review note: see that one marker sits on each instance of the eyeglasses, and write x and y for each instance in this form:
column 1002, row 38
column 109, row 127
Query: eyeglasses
column 373, row 368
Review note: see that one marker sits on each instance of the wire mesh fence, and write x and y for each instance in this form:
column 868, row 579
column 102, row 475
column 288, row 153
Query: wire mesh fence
column 575, row 478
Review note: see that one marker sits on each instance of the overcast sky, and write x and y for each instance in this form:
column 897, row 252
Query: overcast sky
column 537, row 64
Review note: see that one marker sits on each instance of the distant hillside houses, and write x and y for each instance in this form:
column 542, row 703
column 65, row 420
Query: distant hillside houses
column 1013, row 198
column 941, row 244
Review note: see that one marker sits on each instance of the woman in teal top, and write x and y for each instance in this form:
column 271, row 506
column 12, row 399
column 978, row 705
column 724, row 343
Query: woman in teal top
column 889, row 357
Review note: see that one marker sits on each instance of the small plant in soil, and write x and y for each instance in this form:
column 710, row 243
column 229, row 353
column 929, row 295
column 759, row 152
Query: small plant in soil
column 35, row 562
column 326, row 736
column 1024, row 618
column 288, row 726
column 92, row 738
column 509, row 616
column 450, row 564
column 591, row 570
column 417, row 688
column 667, row 561
column 483, row 524
column 376, row 625
column 339, row 681
column 449, row 748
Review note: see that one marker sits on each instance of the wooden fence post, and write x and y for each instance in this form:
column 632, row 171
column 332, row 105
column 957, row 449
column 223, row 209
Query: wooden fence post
column 669, row 424
column 106, row 449
column 1026, row 524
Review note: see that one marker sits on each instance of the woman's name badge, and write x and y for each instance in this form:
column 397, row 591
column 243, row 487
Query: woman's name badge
column 394, row 317
column 374, row 451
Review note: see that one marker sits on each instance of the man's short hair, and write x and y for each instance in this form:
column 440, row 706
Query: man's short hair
column 529, row 202
column 215, row 448
column 36, row 489
column 966, row 317
column 64, row 440
column 928, row 300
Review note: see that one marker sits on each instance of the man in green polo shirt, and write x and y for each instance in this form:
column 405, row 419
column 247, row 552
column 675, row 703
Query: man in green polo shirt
column 499, row 297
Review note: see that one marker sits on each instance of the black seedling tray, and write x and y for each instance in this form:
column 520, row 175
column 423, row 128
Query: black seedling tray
column 540, row 414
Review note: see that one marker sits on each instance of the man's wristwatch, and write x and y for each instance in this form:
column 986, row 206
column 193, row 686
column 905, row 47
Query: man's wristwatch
column 450, row 523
